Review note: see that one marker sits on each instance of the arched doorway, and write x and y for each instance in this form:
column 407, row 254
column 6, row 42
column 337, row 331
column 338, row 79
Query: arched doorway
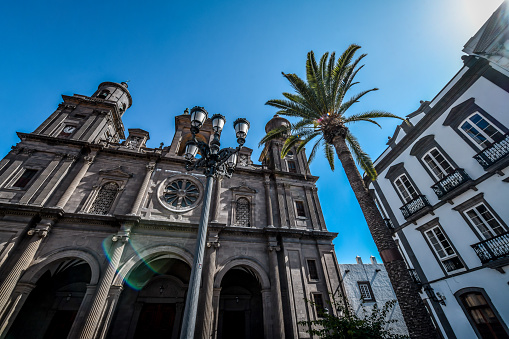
column 152, row 302
column 240, row 305
column 52, row 306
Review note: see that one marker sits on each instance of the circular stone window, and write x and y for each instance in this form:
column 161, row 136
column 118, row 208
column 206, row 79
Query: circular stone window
column 180, row 194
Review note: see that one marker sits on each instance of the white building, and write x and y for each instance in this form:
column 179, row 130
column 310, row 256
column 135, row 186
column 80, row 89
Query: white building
column 365, row 285
column 443, row 187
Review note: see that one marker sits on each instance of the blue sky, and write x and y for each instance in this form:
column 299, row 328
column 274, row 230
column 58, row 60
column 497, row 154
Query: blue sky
column 228, row 57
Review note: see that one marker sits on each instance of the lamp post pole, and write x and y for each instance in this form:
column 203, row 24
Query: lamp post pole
column 214, row 162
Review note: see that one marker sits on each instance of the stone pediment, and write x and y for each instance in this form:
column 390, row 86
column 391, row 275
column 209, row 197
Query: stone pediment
column 243, row 188
column 118, row 172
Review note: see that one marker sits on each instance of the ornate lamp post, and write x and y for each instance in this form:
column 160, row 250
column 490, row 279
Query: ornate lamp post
column 214, row 162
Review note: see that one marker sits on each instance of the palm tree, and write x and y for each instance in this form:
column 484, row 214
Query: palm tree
column 321, row 106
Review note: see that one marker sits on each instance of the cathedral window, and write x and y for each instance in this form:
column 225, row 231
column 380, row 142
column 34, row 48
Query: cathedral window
column 366, row 291
column 291, row 166
column 299, row 206
column 105, row 198
column 313, row 272
column 104, row 94
column 25, row 178
column 243, row 212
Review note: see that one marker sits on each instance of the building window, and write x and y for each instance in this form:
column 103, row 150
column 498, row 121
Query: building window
column 104, row 93
column 366, row 291
column 242, row 212
column 438, row 165
column 405, row 188
column 313, row 272
column 105, row 198
column 25, row 178
column 67, row 131
column 299, row 206
column 443, row 249
column 482, row 316
column 484, row 221
column 291, row 166
column 480, row 130
column 321, row 311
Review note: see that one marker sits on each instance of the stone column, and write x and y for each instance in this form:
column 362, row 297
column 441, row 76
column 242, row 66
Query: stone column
column 18, row 298
column 112, row 301
column 37, row 235
column 139, row 198
column 205, row 307
column 87, row 161
column 82, row 311
column 93, row 318
column 217, row 199
column 179, row 309
column 268, row 202
column 277, row 310
column 267, row 319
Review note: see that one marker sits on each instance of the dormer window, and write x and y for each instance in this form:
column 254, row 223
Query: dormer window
column 104, row 94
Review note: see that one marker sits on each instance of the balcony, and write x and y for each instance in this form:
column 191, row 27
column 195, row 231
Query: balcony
column 389, row 224
column 494, row 153
column 450, row 182
column 414, row 206
column 415, row 277
column 492, row 249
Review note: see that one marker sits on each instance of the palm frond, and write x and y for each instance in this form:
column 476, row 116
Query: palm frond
column 289, row 143
column 276, row 133
column 360, row 156
column 306, row 140
column 315, row 147
column 329, row 154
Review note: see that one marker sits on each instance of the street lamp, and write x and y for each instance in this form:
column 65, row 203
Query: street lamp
column 214, row 162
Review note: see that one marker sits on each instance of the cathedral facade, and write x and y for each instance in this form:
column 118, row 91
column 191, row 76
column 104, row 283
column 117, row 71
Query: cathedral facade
column 97, row 233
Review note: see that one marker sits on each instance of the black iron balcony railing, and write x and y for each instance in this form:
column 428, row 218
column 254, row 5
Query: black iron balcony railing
column 492, row 249
column 415, row 277
column 414, row 206
column 389, row 224
column 493, row 153
column 450, row 182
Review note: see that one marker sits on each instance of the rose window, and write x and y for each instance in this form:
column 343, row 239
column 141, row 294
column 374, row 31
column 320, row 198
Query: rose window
column 181, row 194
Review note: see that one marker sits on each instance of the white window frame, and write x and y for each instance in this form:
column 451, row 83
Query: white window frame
column 488, row 138
column 444, row 171
column 401, row 193
column 446, row 256
column 485, row 222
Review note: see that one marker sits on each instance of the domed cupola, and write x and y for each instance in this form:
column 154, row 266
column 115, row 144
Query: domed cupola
column 276, row 122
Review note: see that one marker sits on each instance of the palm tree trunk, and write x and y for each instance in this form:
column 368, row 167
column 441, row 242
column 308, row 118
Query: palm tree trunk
column 416, row 316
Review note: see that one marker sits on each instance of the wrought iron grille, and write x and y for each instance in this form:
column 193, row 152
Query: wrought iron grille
column 414, row 206
column 105, row 197
column 450, row 182
column 492, row 249
column 493, row 153
column 242, row 213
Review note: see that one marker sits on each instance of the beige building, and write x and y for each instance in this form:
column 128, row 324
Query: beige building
column 97, row 234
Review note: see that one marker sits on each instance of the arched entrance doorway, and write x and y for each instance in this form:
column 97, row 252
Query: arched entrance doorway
column 52, row 306
column 153, row 299
column 240, row 305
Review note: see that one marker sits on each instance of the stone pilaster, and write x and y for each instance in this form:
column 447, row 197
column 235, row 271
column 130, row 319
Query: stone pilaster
column 37, row 235
column 216, row 204
column 281, row 205
column 46, row 173
column 268, row 202
column 312, row 210
column 93, row 319
column 290, row 207
column 319, row 209
column 143, row 189
column 87, row 161
column 277, row 311
column 215, row 307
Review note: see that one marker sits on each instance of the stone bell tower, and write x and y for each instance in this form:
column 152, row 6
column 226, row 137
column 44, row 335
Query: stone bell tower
column 90, row 119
